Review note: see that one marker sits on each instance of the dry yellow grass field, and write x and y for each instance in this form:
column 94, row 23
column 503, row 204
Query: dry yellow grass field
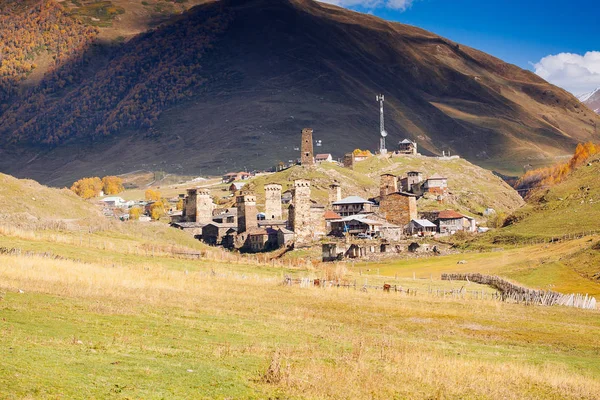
column 152, row 330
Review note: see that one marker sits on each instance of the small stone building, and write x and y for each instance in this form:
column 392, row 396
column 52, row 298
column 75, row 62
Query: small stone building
column 412, row 182
column 436, row 184
column 422, row 227
column 407, row 147
column 399, row 208
column 214, row 232
column 352, row 205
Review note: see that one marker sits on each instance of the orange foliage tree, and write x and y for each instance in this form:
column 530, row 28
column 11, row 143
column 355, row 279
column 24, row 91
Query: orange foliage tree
column 87, row 188
column 152, row 195
column 549, row 176
column 112, row 185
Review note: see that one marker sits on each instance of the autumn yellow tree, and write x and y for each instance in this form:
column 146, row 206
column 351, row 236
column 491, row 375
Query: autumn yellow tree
column 87, row 188
column 152, row 195
column 180, row 205
column 135, row 213
column 157, row 210
column 112, row 185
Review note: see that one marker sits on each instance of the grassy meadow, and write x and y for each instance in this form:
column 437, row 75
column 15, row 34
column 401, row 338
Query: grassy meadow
column 103, row 316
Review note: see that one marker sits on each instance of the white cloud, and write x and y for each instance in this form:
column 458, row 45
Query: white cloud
column 576, row 73
column 401, row 5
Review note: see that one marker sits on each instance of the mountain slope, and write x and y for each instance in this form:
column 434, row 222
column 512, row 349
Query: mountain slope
column 231, row 84
column 592, row 100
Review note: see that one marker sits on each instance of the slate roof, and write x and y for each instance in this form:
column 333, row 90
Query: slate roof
column 353, row 200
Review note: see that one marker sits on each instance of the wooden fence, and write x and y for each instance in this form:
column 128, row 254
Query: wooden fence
column 518, row 294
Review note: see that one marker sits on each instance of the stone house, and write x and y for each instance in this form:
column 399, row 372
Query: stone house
column 193, row 228
column 328, row 217
column 260, row 239
column 214, row 232
column 321, row 158
column 352, row 205
column 412, row 182
column 436, row 184
column 407, row 147
column 450, row 222
column 284, row 237
column 422, row 227
column 399, row 208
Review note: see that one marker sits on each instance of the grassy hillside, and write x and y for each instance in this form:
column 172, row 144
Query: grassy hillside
column 570, row 207
column 25, row 201
column 472, row 188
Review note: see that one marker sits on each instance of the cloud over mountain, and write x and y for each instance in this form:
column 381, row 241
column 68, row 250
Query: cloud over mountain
column 401, row 5
column 574, row 72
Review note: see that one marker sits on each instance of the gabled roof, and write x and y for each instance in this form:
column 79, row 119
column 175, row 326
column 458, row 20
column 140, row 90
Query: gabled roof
column 450, row 214
column 322, row 156
column 353, row 200
column 331, row 215
column 435, row 176
column 424, row 223
column 285, row 231
column 238, row 185
column 406, row 141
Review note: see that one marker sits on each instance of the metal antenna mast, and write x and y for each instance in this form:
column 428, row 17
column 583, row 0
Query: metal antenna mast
column 382, row 150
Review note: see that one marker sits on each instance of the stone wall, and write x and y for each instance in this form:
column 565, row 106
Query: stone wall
column 388, row 184
column 273, row 201
column 300, row 214
column 246, row 209
column 198, row 206
column 398, row 208
column 335, row 193
column 307, row 153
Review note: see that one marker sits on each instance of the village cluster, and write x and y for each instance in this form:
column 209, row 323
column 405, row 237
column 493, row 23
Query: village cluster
column 380, row 223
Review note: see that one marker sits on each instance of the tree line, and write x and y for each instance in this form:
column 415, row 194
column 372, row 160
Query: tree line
column 143, row 78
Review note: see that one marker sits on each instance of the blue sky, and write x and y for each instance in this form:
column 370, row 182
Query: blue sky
column 520, row 32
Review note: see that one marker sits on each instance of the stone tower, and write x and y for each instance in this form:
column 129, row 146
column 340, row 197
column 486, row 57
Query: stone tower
column 198, row 206
column 273, row 201
column 335, row 193
column 388, row 184
column 246, row 209
column 307, row 155
column 300, row 215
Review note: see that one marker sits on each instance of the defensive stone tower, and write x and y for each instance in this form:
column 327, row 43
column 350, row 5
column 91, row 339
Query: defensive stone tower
column 273, row 201
column 388, row 184
column 300, row 216
column 335, row 193
column 246, row 208
column 198, row 206
column 307, row 155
